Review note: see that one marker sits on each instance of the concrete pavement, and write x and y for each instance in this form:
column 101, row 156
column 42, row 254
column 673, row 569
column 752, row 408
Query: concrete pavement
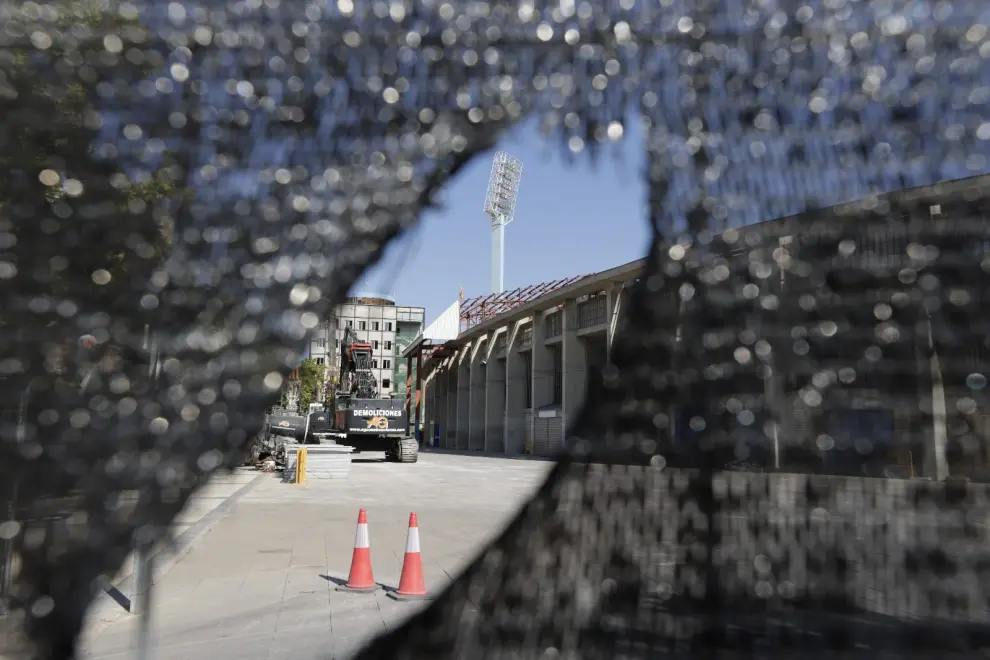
column 262, row 583
column 203, row 510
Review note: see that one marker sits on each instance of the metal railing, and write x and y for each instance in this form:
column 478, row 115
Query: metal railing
column 526, row 338
column 553, row 325
column 593, row 312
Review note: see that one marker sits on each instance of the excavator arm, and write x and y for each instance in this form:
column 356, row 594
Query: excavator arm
column 357, row 378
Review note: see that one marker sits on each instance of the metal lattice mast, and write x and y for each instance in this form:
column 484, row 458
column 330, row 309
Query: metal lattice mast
column 500, row 205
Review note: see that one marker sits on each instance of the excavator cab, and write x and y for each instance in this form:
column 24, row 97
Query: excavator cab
column 341, row 399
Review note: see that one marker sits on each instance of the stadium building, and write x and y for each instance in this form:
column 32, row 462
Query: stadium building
column 852, row 335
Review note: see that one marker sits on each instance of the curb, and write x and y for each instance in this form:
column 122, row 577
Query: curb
column 105, row 609
column 483, row 454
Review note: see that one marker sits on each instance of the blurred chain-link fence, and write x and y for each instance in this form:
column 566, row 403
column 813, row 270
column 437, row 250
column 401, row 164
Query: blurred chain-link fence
column 223, row 172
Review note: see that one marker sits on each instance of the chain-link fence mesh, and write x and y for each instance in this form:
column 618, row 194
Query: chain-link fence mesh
column 223, row 172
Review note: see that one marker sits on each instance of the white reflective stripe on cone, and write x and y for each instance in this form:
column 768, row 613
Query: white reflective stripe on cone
column 361, row 538
column 412, row 541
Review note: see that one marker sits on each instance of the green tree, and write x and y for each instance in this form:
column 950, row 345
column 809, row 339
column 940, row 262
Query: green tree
column 310, row 384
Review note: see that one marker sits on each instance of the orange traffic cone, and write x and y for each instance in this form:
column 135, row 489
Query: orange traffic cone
column 361, row 579
column 411, row 582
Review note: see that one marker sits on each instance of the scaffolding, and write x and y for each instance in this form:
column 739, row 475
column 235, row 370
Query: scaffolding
column 477, row 310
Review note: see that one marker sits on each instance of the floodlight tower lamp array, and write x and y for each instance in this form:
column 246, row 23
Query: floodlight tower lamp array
column 500, row 205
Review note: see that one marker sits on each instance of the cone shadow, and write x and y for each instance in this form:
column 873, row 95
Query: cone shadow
column 341, row 585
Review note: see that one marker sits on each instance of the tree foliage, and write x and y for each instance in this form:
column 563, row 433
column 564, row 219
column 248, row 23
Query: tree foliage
column 310, row 384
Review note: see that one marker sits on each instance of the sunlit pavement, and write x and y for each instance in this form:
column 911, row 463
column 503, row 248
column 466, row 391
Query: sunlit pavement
column 206, row 507
column 262, row 583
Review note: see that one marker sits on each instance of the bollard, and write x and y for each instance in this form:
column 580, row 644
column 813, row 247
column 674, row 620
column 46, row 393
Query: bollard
column 6, row 577
column 141, row 602
column 142, row 581
column 301, row 466
column 7, row 545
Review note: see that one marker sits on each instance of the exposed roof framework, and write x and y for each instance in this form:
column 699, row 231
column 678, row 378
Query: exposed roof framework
column 481, row 308
column 427, row 349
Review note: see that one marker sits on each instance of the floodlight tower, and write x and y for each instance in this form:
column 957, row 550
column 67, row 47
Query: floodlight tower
column 500, row 205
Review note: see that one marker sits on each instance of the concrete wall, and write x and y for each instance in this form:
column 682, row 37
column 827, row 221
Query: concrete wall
column 595, row 355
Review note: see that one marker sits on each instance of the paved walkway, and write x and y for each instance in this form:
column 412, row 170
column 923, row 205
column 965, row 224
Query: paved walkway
column 261, row 584
column 204, row 509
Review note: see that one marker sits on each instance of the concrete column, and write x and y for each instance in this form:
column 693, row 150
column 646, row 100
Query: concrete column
column 542, row 365
column 420, row 403
column 495, row 394
column 440, row 404
column 476, row 396
column 427, row 397
column 463, row 397
column 542, row 374
column 516, row 391
column 450, row 430
column 429, row 406
column 615, row 302
column 574, row 367
column 409, row 394
column 440, row 378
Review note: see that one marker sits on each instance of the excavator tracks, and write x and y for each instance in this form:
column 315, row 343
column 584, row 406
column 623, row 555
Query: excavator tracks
column 406, row 450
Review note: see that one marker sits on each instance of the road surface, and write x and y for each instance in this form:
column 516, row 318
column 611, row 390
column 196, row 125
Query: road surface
column 261, row 584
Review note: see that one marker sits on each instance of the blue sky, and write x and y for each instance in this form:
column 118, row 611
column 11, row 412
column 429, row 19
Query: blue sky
column 570, row 220
column 582, row 218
